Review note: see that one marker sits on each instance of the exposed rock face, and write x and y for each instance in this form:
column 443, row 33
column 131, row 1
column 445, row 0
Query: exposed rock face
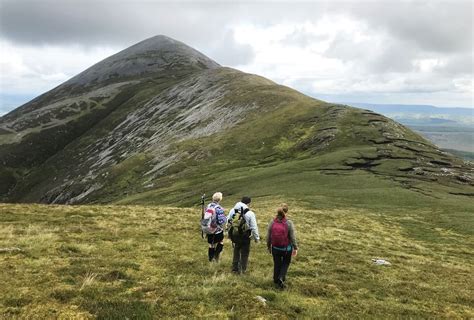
column 57, row 113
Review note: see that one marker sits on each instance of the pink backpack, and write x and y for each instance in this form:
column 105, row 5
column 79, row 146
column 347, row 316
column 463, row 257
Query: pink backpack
column 279, row 233
column 209, row 222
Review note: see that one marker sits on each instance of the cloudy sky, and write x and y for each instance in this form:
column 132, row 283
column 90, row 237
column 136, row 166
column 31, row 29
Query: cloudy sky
column 402, row 52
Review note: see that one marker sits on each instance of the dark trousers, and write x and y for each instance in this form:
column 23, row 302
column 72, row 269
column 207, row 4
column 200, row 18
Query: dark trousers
column 281, row 262
column 241, row 256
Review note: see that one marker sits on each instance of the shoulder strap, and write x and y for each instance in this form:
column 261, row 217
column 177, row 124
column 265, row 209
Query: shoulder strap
column 243, row 212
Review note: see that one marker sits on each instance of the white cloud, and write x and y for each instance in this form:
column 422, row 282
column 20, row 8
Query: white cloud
column 428, row 65
column 464, row 85
column 33, row 69
column 382, row 51
column 339, row 55
column 230, row 52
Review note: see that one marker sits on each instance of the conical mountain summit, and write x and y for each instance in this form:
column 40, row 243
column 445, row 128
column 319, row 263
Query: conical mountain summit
column 149, row 56
column 160, row 122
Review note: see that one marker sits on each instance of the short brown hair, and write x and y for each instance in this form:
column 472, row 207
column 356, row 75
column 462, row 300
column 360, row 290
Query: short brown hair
column 284, row 206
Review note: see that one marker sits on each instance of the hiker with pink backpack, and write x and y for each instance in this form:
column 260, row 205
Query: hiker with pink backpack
column 212, row 225
column 281, row 243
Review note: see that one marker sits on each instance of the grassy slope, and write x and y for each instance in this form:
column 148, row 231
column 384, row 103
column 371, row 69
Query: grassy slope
column 289, row 151
column 126, row 263
column 144, row 262
column 291, row 143
column 275, row 153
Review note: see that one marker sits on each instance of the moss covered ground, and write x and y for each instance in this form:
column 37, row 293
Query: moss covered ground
column 149, row 262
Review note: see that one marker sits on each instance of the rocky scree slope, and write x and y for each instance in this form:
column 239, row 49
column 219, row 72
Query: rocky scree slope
column 161, row 116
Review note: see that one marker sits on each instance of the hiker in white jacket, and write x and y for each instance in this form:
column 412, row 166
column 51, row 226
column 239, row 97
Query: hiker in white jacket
column 241, row 242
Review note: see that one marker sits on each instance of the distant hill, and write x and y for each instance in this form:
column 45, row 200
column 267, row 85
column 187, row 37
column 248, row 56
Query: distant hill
column 414, row 109
column 449, row 128
column 160, row 122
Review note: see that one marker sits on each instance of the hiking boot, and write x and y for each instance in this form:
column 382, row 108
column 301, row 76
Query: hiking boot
column 211, row 253
column 218, row 251
column 281, row 284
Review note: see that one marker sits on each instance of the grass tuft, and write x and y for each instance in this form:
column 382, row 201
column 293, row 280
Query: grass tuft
column 150, row 268
column 89, row 278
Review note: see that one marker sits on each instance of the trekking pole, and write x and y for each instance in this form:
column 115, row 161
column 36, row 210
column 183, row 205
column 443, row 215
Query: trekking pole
column 202, row 211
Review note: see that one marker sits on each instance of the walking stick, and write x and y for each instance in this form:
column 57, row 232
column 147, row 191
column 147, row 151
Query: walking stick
column 202, row 211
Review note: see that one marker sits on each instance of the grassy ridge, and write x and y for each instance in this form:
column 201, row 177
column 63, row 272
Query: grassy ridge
column 144, row 262
column 301, row 148
column 280, row 132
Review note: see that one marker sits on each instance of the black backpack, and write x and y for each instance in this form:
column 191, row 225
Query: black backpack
column 241, row 229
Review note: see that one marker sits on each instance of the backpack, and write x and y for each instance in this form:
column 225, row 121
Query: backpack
column 209, row 222
column 279, row 233
column 214, row 218
column 241, row 229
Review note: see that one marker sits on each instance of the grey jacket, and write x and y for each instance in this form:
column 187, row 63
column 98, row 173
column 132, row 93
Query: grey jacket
column 252, row 221
column 249, row 218
column 291, row 234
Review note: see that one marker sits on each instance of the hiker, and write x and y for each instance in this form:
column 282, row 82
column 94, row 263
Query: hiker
column 243, row 227
column 281, row 243
column 215, row 229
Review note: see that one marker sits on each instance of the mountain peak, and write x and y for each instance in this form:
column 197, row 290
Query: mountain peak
column 152, row 55
column 156, row 43
column 165, row 45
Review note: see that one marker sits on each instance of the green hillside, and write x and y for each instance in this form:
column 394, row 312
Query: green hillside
column 290, row 144
column 177, row 124
column 148, row 262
